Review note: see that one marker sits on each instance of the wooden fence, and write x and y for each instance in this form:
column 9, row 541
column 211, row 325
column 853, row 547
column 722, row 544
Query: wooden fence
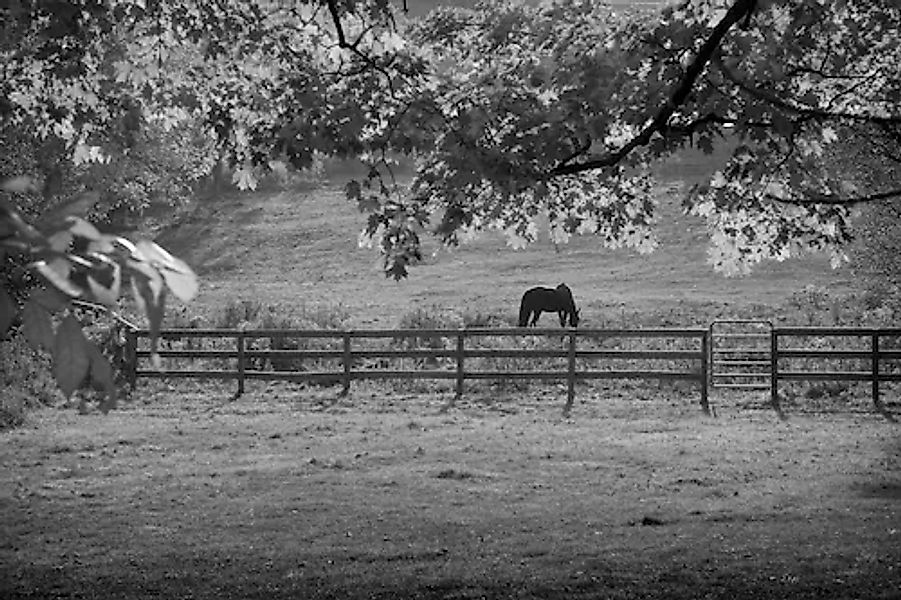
column 835, row 346
column 581, row 349
column 796, row 353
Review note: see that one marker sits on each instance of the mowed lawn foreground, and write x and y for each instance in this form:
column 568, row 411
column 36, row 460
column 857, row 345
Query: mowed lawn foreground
column 286, row 493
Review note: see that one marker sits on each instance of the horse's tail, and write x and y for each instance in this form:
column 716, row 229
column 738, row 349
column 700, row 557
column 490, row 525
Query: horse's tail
column 524, row 311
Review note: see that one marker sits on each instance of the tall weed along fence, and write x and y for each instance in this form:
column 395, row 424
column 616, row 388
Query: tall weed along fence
column 457, row 355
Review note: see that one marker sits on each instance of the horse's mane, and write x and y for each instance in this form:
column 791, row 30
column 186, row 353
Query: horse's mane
column 567, row 293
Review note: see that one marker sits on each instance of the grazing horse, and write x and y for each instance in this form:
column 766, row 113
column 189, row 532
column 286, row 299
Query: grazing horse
column 538, row 299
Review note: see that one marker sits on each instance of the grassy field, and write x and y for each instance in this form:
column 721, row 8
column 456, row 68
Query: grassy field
column 287, row 494
column 298, row 249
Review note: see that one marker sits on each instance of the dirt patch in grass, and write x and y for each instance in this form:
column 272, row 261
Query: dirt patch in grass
column 283, row 495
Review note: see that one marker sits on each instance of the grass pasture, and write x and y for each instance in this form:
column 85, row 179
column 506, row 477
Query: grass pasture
column 286, row 493
column 298, row 249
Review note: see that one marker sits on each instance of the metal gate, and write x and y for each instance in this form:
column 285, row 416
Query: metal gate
column 741, row 354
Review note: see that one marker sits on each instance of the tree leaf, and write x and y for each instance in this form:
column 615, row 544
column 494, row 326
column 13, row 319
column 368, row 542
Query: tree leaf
column 8, row 310
column 61, row 240
column 142, row 269
column 81, row 228
column 105, row 271
column 155, row 254
column 107, row 296
column 13, row 221
column 51, row 299
column 368, row 203
column 37, row 326
column 124, row 246
column 56, row 271
column 78, row 207
column 20, row 185
column 176, row 272
column 352, row 190
column 71, row 358
column 183, row 284
column 103, row 244
column 151, row 296
column 146, row 285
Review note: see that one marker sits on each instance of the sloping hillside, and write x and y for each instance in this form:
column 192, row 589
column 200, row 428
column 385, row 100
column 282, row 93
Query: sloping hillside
column 298, row 248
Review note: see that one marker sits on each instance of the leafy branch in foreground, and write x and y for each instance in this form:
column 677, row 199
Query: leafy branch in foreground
column 82, row 266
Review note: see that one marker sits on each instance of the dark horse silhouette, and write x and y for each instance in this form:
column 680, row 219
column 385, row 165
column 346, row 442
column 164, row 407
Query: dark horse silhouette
column 544, row 299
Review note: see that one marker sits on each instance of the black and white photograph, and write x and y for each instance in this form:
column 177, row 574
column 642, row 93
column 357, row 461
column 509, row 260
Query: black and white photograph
column 450, row 299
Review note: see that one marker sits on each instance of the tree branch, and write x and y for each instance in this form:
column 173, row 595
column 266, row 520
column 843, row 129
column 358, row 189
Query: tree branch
column 836, row 201
column 336, row 19
column 739, row 10
column 578, row 149
column 354, row 46
column 808, row 111
column 105, row 309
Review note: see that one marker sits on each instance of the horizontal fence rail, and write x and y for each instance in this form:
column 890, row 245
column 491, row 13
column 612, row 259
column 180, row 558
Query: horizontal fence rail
column 355, row 357
column 874, row 352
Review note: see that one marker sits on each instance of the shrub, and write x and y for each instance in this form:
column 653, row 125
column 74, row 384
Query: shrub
column 180, row 318
column 27, row 381
column 271, row 319
column 430, row 317
column 253, row 314
column 238, row 314
column 12, row 409
column 478, row 319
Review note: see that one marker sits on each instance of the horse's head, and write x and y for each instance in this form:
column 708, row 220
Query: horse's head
column 574, row 318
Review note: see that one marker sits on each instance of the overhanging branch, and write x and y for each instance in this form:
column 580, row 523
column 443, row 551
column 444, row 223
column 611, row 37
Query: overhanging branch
column 800, row 109
column 336, row 19
column 836, row 200
column 741, row 9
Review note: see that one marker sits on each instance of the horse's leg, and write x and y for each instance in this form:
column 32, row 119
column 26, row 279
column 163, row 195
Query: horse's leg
column 561, row 314
column 535, row 316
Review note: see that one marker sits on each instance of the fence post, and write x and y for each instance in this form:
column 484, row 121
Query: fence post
column 461, row 337
column 874, row 347
column 877, row 401
column 774, row 372
column 239, row 340
column 347, row 363
column 570, row 374
column 705, row 367
column 131, row 357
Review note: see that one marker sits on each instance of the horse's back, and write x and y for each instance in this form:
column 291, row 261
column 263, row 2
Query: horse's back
column 538, row 289
column 543, row 298
column 538, row 296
